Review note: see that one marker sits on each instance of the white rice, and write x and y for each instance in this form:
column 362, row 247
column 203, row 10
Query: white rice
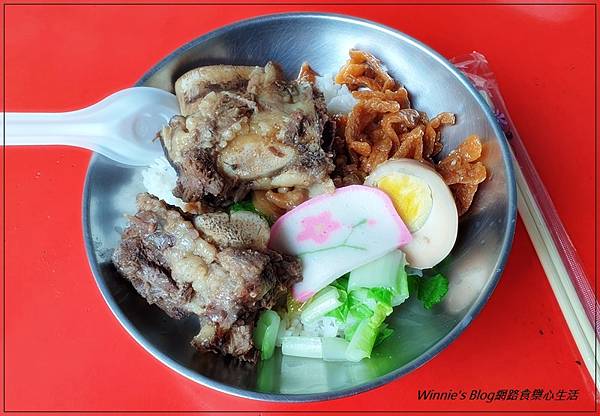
column 323, row 327
column 291, row 326
column 338, row 97
column 159, row 179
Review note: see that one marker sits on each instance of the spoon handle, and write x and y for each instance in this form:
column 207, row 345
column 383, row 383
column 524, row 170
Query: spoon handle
column 121, row 127
column 75, row 128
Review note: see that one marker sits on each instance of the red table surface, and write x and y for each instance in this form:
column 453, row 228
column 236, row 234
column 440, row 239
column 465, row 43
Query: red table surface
column 64, row 350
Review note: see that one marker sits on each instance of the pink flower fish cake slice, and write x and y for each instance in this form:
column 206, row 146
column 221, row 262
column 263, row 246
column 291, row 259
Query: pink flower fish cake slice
column 336, row 233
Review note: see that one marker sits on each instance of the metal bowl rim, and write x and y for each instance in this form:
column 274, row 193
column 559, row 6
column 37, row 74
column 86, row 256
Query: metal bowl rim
column 397, row 373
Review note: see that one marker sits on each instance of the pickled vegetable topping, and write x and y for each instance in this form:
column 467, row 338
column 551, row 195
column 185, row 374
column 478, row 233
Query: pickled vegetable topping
column 463, row 172
column 382, row 125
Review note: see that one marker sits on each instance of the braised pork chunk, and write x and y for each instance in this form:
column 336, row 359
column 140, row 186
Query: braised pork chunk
column 219, row 269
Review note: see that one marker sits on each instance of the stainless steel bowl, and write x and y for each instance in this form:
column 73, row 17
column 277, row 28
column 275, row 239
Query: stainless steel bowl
column 475, row 265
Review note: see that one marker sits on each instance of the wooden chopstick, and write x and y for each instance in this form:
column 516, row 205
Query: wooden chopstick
column 558, row 276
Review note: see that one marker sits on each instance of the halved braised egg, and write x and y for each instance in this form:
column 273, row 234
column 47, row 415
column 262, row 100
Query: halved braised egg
column 425, row 204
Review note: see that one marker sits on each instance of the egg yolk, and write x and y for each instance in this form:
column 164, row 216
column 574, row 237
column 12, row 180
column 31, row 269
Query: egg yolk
column 411, row 197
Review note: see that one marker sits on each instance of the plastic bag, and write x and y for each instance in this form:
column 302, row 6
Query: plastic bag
column 551, row 241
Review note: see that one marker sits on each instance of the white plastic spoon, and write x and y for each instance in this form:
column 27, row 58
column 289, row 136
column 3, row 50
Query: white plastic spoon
column 122, row 126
